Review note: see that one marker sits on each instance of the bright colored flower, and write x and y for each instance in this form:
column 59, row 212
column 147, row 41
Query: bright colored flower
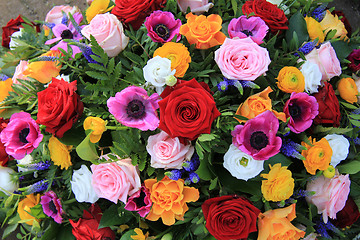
column 132, row 107
column 204, row 31
column 24, row 208
column 314, row 29
column 258, row 136
column 169, row 199
column 279, row 184
column 157, row 70
column 97, row 7
column 52, row 206
column 139, row 235
column 97, row 125
column 8, row 183
column 139, row 202
column 243, row 27
column 83, row 191
column 178, row 54
column 339, row 146
column 354, row 58
column 317, row 156
column 348, row 90
column 19, row 72
column 312, row 75
column 290, row 79
column 332, row 22
column 5, row 88
column 4, row 157
column 59, row 153
column 55, row 15
column 196, row 6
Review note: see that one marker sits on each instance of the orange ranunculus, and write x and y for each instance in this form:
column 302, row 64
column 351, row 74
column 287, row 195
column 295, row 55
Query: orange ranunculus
column 317, row 156
column 203, row 31
column 314, row 29
column 290, row 79
column 169, row 198
column 44, row 71
column 5, row 88
column 348, row 90
column 178, row 54
column 25, row 206
column 331, row 22
column 97, row 125
column 276, row 224
column 256, row 104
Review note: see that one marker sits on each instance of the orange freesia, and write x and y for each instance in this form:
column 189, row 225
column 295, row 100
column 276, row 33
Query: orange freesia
column 44, row 71
column 348, row 90
column 290, row 79
column 256, row 104
column 331, row 22
column 276, row 224
column 314, row 29
column 169, row 198
column 317, row 156
column 97, row 125
column 25, row 206
column 5, row 88
column 203, row 31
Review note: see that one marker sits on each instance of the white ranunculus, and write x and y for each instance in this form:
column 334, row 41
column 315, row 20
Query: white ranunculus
column 241, row 165
column 82, row 187
column 156, row 70
column 340, row 147
column 312, row 75
column 7, row 182
column 28, row 159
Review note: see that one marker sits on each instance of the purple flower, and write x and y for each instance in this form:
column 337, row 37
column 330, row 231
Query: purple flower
column 243, row 27
column 21, row 136
column 140, row 202
column 162, row 26
column 133, row 108
column 258, row 136
column 302, row 109
column 52, row 206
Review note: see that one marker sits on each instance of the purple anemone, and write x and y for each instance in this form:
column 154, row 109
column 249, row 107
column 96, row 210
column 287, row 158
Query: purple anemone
column 162, row 26
column 52, row 206
column 302, row 109
column 140, row 202
column 132, row 107
column 243, row 27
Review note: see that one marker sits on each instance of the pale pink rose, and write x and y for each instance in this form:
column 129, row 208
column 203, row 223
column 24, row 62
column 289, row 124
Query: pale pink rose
column 108, row 32
column 116, row 180
column 167, row 152
column 325, row 57
column 242, row 59
column 196, row 6
column 89, row 2
column 330, row 194
column 20, row 68
column 55, row 15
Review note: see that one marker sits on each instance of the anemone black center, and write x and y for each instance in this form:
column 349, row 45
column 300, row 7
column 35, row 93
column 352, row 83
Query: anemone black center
column 52, row 207
column 295, row 111
column 258, row 140
column 162, row 31
column 23, row 134
column 140, row 200
column 247, row 33
column 135, row 109
column 356, row 61
column 66, row 34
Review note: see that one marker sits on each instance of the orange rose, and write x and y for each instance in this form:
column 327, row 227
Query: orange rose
column 169, row 198
column 275, row 224
column 5, row 88
column 25, row 206
column 348, row 90
column 317, row 156
column 203, row 31
column 256, row 104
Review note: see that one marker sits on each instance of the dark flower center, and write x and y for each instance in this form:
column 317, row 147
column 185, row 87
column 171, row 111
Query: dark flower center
column 295, row 111
column 162, row 31
column 247, row 33
column 52, row 207
column 23, row 134
column 66, row 34
column 135, row 109
column 140, row 200
column 258, row 140
column 356, row 61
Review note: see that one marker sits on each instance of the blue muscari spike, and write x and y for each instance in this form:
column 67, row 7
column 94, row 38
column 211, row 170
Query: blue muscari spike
column 50, row 25
column 3, row 77
column 319, row 13
column 174, row 174
column 64, row 19
column 38, row 166
column 321, row 228
column 356, row 111
column 193, row 164
column 291, row 149
column 302, row 193
column 194, row 177
column 87, row 52
column 223, row 86
column 306, row 48
column 357, row 141
column 37, row 187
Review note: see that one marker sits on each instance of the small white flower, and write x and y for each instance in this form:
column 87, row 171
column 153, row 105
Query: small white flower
column 312, row 75
column 7, row 182
column 241, row 165
column 340, row 147
column 156, row 70
column 28, row 159
column 81, row 185
column 14, row 39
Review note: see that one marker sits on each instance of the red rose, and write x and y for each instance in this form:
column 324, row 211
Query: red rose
column 230, row 217
column 354, row 58
column 348, row 215
column 134, row 12
column 59, row 107
column 273, row 16
column 329, row 109
column 187, row 111
column 87, row 226
column 4, row 157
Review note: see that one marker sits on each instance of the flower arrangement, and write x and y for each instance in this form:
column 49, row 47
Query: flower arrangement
column 164, row 119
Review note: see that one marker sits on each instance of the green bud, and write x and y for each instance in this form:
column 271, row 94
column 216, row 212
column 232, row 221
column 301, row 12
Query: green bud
column 167, row 236
column 170, row 80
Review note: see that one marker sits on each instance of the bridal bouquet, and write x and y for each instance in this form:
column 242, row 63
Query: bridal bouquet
column 184, row 119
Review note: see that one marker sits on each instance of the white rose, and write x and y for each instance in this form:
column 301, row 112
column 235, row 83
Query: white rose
column 7, row 182
column 312, row 75
column 28, row 159
column 241, row 165
column 340, row 147
column 156, row 70
column 81, row 185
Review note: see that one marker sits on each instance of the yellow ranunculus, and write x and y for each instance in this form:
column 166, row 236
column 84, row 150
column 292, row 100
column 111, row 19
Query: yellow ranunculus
column 25, row 206
column 317, row 156
column 348, row 90
column 97, row 125
column 5, row 88
column 279, row 184
column 97, row 7
column 59, row 153
column 331, row 22
column 139, row 235
column 314, row 29
column 290, row 79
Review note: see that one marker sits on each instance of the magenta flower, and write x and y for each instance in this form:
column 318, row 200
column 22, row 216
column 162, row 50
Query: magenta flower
column 302, row 109
column 243, row 27
column 52, row 206
column 21, row 136
column 258, row 136
column 133, row 108
column 140, row 202
column 162, row 26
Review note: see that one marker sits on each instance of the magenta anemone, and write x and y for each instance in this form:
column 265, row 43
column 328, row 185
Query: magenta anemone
column 258, row 136
column 140, row 202
column 243, row 27
column 51, row 205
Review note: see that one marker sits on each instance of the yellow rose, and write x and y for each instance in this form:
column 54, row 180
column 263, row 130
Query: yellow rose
column 279, row 184
column 59, row 153
column 314, row 29
column 331, row 22
column 97, row 125
column 24, row 208
column 348, row 90
column 5, row 88
column 317, row 156
column 290, row 79
column 97, row 7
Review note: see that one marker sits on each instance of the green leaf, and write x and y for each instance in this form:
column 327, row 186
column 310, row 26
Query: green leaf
column 8, row 230
column 213, row 183
column 297, row 24
column 112, row 216
column 86, row 150
column 352, row 167
column 342, row 49
column 128, row 234
column 97, row 75
column 51, row 231
column 37, row 211
column 206, row 137
column 97, row 67
column 133, row 57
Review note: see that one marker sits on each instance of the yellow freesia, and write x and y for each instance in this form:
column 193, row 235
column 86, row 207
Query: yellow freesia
column 5, row 88
column 25, row 206
column 97, row 7
column 97, row 125
column 59, row 153
column 331, row 22
column 314, row 29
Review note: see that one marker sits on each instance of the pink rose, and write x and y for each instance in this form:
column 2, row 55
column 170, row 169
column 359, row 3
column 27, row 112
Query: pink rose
column 108, row 32
column 116, row 180
column 167, row 152
column 330, row 194
column 325, row 57
column 242, row 59
column 55, row 15
column 20, row 68
column 196, row 6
